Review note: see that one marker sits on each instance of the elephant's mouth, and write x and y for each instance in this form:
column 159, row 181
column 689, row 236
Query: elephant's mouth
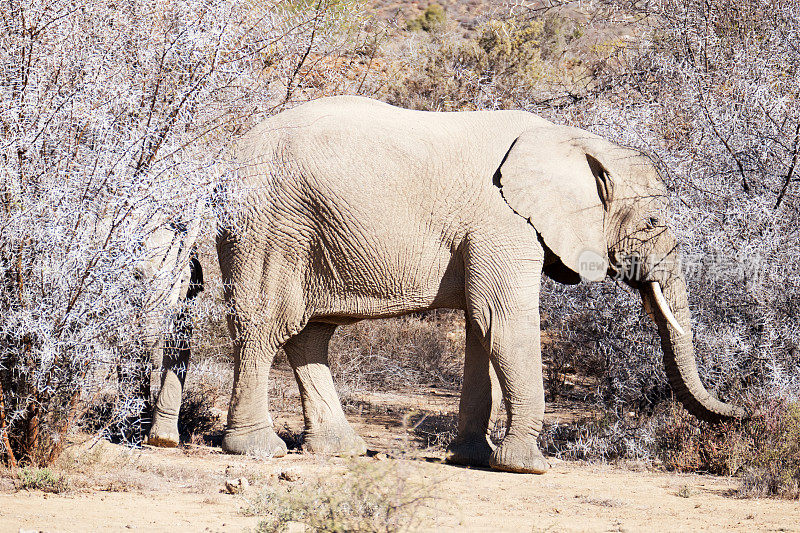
column 629, row 268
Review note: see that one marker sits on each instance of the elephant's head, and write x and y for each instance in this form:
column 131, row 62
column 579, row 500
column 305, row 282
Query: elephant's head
column 600, row 209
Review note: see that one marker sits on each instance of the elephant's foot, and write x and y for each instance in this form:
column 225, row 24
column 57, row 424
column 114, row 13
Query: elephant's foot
column 470, row 452
column 164, row 433
column 339, row 439
column 519, row 456
column 263, row 441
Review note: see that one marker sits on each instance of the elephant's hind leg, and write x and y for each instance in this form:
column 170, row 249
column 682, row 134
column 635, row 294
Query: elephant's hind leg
column 259, row 322
column 326, row 428
column 250, row 429
column 164, row 431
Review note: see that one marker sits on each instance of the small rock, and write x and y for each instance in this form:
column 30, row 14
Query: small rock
column 289, row 475
column 381, row 456
column 236, row 486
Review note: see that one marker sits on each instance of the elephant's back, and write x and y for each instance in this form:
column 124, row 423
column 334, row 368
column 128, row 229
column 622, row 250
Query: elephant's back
column 375, row 143
column 365, row 162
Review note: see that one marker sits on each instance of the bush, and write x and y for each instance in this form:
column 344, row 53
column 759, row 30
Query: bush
column 710, row 92
column 684, row 444
column 763, row 450
column 404, row 352
column 446, row 72
column 774, row 465
column 431, row 19
column 115, row 120
column 41, row 479
column 365, row 497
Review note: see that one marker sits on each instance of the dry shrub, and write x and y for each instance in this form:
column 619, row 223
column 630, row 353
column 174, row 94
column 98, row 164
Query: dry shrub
column 607, row 438
column 433, row 431
column 685, row 444
column 197, row 416
column 497, row 68
column 430, row 20
column 401, row 352
column 365, row 497
column 774, row 466
column 42, row 479
column 764, row 449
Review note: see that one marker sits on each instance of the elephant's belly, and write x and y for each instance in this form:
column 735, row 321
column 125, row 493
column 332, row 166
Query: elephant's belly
column 386, row 287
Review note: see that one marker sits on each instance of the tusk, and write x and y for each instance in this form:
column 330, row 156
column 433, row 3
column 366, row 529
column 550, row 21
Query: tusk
column 664, row 307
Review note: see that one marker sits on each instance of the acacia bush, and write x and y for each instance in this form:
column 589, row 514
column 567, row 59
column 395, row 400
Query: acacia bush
column 711, row 92
column 114, row 121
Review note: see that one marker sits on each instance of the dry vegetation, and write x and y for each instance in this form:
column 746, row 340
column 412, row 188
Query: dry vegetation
column 710, row 89
column 362, row 497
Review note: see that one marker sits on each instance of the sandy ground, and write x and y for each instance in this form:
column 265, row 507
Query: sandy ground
column 117, row 489
column 572, row 497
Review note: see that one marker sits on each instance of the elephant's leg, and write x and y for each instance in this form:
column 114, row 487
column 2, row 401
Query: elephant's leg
column 503, row 283
column 480, row 397
column 327, row 430
column 164, row 431
column 170, row 365
column 259, row 321
column 250, row 429
column 517, row 358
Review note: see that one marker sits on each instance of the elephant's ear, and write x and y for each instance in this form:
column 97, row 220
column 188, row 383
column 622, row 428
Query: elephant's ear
column 549, row 178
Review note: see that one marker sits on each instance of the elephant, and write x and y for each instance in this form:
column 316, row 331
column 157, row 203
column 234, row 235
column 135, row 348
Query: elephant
column 347, row 208
column 170, row 266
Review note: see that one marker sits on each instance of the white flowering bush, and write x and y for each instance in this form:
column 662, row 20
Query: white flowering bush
column 114, row 121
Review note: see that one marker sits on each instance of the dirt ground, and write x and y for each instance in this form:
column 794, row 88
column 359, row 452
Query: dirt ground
column 572, row 497
column 113, row 488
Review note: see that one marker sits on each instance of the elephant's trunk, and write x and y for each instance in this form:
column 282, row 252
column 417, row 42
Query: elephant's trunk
column 671, row 314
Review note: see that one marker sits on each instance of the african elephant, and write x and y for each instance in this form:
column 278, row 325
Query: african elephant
column 175, row 276
column 349, row 209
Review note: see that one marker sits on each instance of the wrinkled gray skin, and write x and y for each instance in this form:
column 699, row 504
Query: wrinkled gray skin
column 175, row 277
column 355, row 209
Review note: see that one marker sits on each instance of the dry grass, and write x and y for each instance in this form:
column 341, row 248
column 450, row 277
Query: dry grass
column 88, row 465
column 364, row 496
column 399, row 353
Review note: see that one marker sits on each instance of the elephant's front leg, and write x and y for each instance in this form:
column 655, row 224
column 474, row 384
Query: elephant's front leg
column 480, row 399
column 503, row 283
column 326, row 428
column 517, row 358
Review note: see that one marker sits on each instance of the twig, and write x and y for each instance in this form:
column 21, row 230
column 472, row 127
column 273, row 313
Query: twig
column 12, row 461
column 790, row 172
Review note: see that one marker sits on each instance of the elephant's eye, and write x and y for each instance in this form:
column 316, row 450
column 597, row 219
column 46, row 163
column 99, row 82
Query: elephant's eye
column 652, row 222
